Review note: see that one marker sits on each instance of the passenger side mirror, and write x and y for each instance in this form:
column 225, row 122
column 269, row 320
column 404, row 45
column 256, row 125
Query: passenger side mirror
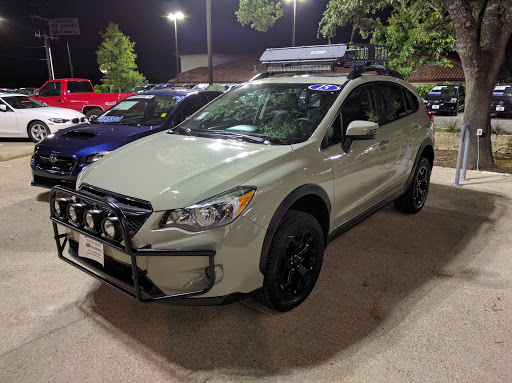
column 362, row 130
column 3, row 108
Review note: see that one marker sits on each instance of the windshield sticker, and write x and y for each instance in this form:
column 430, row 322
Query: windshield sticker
column 142, row 97
column 324, row 87
column 202, row 115
column 125, row 105
column 178, row 98
column 497, row 93
column 163, row 115
column 110, row 119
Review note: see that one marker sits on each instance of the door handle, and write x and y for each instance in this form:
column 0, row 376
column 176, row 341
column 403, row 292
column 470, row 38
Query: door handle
column 59, row 100
column 384, row 144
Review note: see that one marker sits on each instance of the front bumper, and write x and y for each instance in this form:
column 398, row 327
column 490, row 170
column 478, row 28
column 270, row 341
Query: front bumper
column 441, row 107
column 127, row 277
column 501, row 107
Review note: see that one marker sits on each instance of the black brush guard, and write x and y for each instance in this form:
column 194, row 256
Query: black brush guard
column 138, row 275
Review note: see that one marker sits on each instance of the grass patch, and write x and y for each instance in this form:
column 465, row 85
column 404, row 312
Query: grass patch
column 452, row 126
column 448, row 159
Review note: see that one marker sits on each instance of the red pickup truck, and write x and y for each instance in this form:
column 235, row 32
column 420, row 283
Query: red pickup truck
column 77, row 94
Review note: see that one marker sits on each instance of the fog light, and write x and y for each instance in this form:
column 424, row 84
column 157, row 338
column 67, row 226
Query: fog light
column 219, row 273
column 111, row 227
column 76, row 213
column 92, row 220
column 59, row 206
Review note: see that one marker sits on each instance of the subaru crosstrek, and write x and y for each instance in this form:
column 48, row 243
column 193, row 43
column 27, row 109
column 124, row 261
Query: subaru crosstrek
column 243, row 197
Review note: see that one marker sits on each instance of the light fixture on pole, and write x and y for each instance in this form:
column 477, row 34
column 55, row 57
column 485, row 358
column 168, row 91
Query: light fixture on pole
column 294, row 18
column 175, row 17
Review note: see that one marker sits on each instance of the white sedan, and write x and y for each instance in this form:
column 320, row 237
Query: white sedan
column 22, row 116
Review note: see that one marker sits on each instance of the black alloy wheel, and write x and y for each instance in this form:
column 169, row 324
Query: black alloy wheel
column 413, row 200
column 294, row 261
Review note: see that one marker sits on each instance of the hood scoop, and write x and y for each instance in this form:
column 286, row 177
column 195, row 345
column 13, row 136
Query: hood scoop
column 79, row 134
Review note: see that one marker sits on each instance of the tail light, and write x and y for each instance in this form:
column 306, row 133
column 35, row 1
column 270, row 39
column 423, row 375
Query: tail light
column 431, row 116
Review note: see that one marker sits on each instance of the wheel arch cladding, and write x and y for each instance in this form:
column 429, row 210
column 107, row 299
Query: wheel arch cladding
column 428, row 153
column 311, row 199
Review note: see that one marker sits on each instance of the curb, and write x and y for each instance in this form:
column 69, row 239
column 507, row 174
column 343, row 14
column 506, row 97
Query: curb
column 14, row 155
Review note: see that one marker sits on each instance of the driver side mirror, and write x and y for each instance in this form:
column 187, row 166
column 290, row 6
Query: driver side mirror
column 36, row 92
column 362, row 130
column 3, row 108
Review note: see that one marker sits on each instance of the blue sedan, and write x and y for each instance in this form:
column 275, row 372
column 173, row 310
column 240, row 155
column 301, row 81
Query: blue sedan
column 59, row 158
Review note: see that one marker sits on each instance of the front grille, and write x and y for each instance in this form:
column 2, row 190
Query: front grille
column 135, row 210
column 51, row 182
column 53, row 162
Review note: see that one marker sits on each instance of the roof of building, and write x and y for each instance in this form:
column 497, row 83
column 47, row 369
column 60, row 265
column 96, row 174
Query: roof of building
column 430, row 72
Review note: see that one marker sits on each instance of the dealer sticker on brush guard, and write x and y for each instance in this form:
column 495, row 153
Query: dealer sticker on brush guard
column 324, row 87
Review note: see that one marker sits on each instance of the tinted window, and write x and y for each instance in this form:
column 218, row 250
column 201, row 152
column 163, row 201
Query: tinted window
column 360, row 105
column 411, row 101
column 79, row 87
column 23, row 102
column 333, row 134
column 444, row 89
column 52, row 89
column 393, row 103
column 146, row 110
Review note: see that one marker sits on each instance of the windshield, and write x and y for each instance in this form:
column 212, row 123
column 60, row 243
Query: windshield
column 23, row 102
column 280, row 113
column 147, row 110
column 500, row 90
column 444, row 89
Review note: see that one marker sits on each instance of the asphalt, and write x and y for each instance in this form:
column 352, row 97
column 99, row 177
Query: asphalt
column 15, row 148
column 401, row 298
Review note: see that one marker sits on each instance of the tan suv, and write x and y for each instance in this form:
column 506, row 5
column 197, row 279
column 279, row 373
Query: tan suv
column 243, row 197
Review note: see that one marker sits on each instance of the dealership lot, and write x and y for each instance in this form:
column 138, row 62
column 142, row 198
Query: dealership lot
column 425, row 297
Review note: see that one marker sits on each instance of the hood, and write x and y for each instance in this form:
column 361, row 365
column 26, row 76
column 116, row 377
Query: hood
column 52, row 112
column 173, row 171
column 440, row 97
column 95, row 137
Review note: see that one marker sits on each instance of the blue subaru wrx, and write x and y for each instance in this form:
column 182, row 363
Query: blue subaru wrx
column 59, row 158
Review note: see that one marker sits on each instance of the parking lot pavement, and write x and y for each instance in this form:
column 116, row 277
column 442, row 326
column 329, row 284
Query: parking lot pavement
column 401, row 298
column 15, row 148
column 442, row 121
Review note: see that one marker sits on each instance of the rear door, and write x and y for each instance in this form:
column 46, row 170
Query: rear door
column 8, row 120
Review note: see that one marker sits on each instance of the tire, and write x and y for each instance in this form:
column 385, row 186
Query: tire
column 413, row 200
column 294, row 261
column 93, row 113
column 38, row 131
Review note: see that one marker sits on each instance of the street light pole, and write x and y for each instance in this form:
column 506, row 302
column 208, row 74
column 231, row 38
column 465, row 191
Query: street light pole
column 294, row 17
column 209, row 39
column 175, row 17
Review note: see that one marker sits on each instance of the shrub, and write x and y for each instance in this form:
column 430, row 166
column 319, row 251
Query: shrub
column 423, row 89
column 452, row 126
column 498, row 128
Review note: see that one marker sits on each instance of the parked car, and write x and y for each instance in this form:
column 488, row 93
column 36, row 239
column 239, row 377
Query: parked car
column 27, row 91
column 21, row 116
column 60, row 158
column 445, row 98
column 143, row 88
column 77, row 94
column 502, row 99
column 243, row 196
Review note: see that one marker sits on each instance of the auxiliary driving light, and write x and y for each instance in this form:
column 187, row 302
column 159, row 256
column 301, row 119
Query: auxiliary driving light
column 76, row 213
column 59, row 206
column 92, row 220
column 111, row 227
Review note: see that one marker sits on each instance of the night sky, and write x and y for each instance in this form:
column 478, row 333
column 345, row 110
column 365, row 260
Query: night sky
column 22, row 61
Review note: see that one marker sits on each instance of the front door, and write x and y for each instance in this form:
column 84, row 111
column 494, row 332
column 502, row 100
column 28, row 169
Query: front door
column 8, row 121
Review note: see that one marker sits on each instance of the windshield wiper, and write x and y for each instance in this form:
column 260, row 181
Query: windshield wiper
column 246, row 137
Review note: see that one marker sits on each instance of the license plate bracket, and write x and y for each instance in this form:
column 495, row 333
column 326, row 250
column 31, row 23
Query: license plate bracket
column 91, row 249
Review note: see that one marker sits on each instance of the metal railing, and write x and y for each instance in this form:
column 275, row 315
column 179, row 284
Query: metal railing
column 463, row 149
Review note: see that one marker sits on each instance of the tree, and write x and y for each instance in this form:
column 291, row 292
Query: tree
column 261, row 14
column 421, row 30
column 116, row 59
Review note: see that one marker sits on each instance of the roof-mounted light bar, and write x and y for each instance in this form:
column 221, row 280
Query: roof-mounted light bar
column 322, row 57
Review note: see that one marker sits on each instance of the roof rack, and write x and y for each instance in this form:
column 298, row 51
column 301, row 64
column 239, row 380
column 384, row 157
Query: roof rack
column 321, row 58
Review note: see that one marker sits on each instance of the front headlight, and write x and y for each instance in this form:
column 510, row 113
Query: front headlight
column 95, row 157
column 58, row 120
column 214, row 212
column 453, row 100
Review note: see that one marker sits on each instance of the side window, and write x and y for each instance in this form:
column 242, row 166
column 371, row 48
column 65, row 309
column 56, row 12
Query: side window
column 411, row 101
column 79, row 87
column 333, row 134
column 360, row 105
column 52, row 89
column 191, row 105
column 393, row 102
